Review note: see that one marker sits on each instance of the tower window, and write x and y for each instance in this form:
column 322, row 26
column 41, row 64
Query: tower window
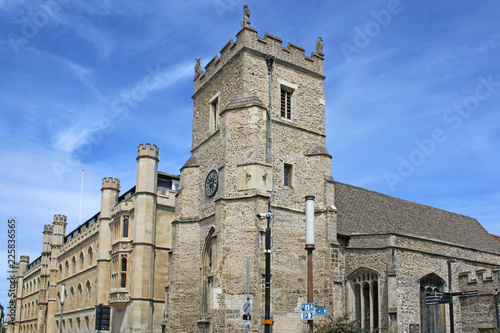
column 123, row 275
column 287, row 175
column 214, row 115
column 286, row 102
column 125, row 228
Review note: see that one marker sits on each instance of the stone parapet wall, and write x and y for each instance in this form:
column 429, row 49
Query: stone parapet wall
column 269, row 45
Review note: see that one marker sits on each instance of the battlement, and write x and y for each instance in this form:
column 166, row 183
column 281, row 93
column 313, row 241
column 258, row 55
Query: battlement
column 47, row 229
column 147, row 150
column 111, row 183
column 480, row 275
column 24, row 259
column 58, row 218
column 269, row 45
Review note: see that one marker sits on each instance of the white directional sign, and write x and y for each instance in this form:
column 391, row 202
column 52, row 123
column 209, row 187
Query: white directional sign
column 307, row 315
column 307, row 311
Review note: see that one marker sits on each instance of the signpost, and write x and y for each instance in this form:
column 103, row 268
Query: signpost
column 442, row 298
column 307, row 311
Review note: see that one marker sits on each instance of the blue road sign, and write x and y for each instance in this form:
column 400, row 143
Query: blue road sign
column 307, row 307
column 321, row 311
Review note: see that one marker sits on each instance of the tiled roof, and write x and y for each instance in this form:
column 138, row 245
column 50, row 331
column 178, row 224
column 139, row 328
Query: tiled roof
column 497, row 238
column 365, row 211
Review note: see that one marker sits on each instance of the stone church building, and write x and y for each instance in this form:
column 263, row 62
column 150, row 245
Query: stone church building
column 170, row 254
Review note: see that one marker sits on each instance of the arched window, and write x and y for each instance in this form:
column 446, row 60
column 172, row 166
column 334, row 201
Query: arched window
column 432, row 317
column 208, row 266
column 364, row 298
column 125, row 227
column 123, row 280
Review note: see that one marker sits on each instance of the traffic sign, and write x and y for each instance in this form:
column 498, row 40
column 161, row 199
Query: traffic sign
column 307, row 315
column 307, row 307
column 466, row 293
column 247, row 307
column 321, row 311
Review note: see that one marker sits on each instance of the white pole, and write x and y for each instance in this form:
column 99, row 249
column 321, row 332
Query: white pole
column 81, row 200
column 62, row 305
column 310, row 219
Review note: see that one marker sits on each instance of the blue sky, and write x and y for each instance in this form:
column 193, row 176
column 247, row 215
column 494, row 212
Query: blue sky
column 412, row 95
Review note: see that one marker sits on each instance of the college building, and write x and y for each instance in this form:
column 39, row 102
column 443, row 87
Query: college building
column 170, row 254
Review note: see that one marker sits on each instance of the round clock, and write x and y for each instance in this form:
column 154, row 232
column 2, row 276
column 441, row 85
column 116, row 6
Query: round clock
column 211, row 183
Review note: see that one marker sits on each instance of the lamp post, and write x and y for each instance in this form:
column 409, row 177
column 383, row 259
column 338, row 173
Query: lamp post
column 310, row 248
column 496, row 307
column 267, row 307
column 62, row 305
column 452, row 317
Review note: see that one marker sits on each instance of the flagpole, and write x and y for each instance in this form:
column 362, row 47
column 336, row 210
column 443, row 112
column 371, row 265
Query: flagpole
column 81, row 200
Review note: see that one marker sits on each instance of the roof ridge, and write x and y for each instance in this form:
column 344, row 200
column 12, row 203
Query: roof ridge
column 405, row 200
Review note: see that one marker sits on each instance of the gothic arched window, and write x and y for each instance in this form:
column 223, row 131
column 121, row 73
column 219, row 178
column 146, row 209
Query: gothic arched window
column 125, row 227
column 123, row 275
column 208, row 266
column 432, row 317
column 364, row 298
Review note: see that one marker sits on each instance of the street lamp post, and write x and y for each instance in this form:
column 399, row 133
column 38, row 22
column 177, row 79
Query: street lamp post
column 452, row 317
column 267, row 306
column 62, row 305
column 310, row 248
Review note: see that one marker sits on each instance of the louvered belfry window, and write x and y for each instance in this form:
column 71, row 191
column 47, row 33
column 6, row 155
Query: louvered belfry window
column 286, row 103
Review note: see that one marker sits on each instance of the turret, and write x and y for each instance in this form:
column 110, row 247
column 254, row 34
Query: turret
column 109, row 195
column 144, row 234
column 147, row 168
column 59, row 229
column 47, row 239
column 109, row 198
column 23, row 263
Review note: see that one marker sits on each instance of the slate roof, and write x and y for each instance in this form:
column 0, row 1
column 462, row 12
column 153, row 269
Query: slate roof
column 365, row 211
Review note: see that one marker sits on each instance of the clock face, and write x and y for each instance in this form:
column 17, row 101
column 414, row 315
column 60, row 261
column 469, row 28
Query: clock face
column 211, row 183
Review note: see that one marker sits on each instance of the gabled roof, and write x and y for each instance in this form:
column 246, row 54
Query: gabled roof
column 365, row 211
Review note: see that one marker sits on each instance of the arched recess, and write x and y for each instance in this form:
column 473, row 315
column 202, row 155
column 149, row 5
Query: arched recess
column 81, row 261
column 432, row 317
column 88, row 294
column 90, row 253
column 364, row 297
column 208, row 266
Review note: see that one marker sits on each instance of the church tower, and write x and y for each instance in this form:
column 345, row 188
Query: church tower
column 246, row 156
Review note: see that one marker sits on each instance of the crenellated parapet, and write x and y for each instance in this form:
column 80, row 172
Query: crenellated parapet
column 269, row 45
column 111, row 183
column 47, row 229
column 60, row 219
column 25, row 259
column 480, row 275
column 148, row 150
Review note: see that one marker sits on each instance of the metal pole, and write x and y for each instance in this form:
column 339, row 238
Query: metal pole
column 310, row 248
column 452, row 318
column 62, row 304
column 267, row 316
column 496, row 308
column 270, row 62
column 248, row 287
